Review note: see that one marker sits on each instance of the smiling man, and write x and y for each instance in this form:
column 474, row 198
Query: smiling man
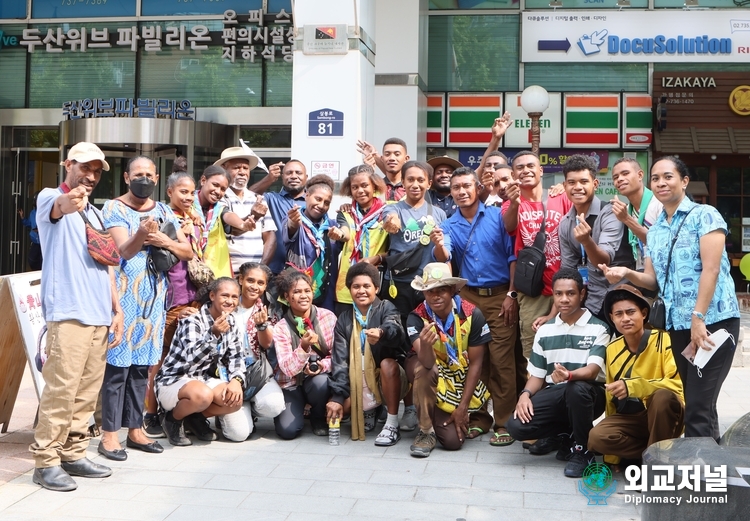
column 642, row 208
column 440, row 193
column 79, row 304
column 590, row 233
column 565, row 392
column 259, row 244
column 482, row 252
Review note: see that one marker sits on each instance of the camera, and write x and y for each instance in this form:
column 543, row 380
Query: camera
column 312, row 364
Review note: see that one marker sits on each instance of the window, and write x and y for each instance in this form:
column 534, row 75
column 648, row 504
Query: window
column 588, row 77
column 473, row 53
column 12, row 68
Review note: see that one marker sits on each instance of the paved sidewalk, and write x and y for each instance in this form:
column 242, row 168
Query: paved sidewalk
column 305, row 479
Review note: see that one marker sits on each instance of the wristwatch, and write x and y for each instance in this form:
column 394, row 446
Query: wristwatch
column 513, row 294
column 261, row 327
column 700, row 315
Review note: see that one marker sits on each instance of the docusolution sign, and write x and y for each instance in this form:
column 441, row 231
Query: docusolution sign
column 682, row 36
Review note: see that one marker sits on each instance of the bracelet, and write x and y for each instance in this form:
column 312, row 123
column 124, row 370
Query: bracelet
column 239, row 379
column 570, row 376
column 261, row 327
column 525, row 391
column 380, row 257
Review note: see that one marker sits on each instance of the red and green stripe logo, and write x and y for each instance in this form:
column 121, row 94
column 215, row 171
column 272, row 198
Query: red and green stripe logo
column 592, row 120
column 637, row 130
column 471, row 116
column 435, row 120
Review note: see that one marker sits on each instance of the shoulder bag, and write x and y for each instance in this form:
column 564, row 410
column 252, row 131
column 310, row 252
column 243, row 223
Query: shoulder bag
column 409, row 261
column 101, row 245
column 657, row 316
column 161, row 258
column 531, row 261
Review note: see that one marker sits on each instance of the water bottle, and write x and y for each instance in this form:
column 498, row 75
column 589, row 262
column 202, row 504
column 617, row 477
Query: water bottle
column 334, row 431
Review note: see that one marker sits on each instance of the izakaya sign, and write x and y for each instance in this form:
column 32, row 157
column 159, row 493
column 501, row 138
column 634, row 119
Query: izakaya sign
column 643, row 36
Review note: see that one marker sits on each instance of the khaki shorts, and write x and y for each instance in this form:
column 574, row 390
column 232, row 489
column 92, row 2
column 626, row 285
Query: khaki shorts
column 167, row 395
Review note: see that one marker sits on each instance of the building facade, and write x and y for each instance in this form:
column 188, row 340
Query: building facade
column 176, row 77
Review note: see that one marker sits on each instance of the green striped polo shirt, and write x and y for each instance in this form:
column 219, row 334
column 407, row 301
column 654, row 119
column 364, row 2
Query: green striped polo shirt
column 572, row 346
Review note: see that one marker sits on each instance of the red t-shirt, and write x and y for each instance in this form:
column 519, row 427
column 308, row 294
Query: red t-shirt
column 529, row 222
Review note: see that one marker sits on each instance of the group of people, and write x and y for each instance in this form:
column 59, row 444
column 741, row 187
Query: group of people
column 270, row 308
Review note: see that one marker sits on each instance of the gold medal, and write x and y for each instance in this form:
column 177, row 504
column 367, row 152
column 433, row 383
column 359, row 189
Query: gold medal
column 424, row 240
column 428, row 228
column 392, row 291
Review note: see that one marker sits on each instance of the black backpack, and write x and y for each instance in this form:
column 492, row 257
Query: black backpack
column 530, row 263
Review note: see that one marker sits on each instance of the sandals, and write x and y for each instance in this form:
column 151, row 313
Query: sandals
column 501, row 439
column 474, row 432
column 388, row 436
column 370, row 420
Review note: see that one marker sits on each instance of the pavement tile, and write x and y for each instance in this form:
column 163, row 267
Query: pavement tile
column 375, row 463
column 453, row 496
column 289, row 501
column 248, row 466
column 419, row 479
column 325, row 473
column 409, row 509
column 292, row 458
column 12, row 493
column 160, row 477
column 106, row 490
column 191, row 496
column 258, row 484
column 116, row 509
column 559, row 486
column 481, row 513
column 474, row 469
column 306, row 516
column 362, row 491
column 221, row 513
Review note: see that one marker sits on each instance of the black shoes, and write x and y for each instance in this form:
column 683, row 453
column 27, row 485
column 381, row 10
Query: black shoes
column 174, row 430
column 54, row 478
column 319, row 426
column 198, row 425
column 154, row 447
column 86, row 468
column 544, row 446
column 114, row 455
column 580, row 458
column 152, row 426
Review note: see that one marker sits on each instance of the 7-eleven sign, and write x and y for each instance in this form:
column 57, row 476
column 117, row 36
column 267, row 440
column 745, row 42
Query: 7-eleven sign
column 435, row 120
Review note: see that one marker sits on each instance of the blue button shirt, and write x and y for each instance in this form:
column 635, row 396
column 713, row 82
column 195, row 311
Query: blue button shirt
column 485, row 263
column 279, row 204
column 680, row 292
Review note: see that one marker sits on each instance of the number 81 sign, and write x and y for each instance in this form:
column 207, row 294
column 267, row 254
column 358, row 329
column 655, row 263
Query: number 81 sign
column 325, row 123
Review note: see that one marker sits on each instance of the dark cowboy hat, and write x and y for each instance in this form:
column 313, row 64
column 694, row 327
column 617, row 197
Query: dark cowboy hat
column 632, row 293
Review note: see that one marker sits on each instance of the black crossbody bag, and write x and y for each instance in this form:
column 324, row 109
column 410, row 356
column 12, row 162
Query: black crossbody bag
column 531, row 261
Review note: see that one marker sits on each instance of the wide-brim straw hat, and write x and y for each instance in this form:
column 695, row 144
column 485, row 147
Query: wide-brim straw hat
column 444, row 160
column 434, row 275
column 238, row 153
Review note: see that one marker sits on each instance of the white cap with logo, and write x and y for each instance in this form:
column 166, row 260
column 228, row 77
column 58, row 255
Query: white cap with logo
column 84, row 152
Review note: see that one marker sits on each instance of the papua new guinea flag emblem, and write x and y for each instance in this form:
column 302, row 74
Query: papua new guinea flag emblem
column 325, row 33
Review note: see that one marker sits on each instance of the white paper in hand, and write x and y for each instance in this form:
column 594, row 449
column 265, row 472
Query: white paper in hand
column 702, row 356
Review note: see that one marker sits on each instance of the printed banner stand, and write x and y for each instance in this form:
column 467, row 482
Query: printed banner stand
column 18, row 338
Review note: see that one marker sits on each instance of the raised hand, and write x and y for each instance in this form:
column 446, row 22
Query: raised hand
column 614, row 274
column 335, row 234
column 295, row 215
column 620, row 209
column 437, row 237
column 513, row 191
column 275, row 170
column 259, row 209
column 221, row 325
column 261, row 316
column 74, row 201
column 428, row 336
column 582, row 231
column 392, row 224
column 501, row 125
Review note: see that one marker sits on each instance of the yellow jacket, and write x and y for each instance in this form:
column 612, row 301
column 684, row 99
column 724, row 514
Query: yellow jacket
column 652, row 370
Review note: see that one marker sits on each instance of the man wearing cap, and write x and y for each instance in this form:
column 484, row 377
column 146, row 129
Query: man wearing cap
column 80, row 306
column 440, row 193
column 482, row 251
column 293, row 179
column 645, row 403
column 449, row 337
column 258, row 244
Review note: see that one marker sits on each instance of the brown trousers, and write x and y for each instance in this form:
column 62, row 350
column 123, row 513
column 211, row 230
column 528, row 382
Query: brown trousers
column 73, row 372
column 499, row 366
column 628, row 435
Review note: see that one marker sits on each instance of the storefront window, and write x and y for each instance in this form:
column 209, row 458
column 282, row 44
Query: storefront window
column 587, row 4
column 473, row 53
column 729, row 181
column 731, row 209
column 12, row 67
column 182, row 7
column 12, row 9
column 278, row 84
column 437, row 5
column 680, row 4
column 588, row 77
column 81, row 8
column 56, row 77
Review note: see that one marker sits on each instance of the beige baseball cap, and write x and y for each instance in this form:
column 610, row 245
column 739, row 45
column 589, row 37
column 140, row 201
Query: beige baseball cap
column 84, row 152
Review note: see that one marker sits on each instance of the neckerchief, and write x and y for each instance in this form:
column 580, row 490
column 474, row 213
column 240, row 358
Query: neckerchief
column 362, row 225
column 632, row 239
column 444, row 329
column 362, row 371
column 362, row 321
column 317, row 235
column 298, row 326
column 213, row 213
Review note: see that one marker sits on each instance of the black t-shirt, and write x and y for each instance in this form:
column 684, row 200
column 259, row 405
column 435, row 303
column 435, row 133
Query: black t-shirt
column 478, row 334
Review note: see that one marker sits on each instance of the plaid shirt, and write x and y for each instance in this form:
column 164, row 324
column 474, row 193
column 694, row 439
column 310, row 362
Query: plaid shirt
column 292, row 362
column 194, row 348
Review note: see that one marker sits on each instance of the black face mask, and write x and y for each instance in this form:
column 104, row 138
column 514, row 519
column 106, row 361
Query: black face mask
column 142, row 187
